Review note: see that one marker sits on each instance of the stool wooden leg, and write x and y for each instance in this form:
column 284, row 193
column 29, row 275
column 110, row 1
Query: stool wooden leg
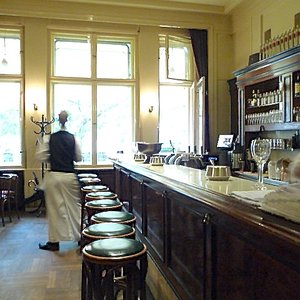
column 142, row 277
column 98, row 282
column 84, row 282
column 108, row 286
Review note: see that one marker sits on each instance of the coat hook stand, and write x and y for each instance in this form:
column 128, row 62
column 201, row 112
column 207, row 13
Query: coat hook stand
column 42, row 125
column 42, row 131
column 39, row 193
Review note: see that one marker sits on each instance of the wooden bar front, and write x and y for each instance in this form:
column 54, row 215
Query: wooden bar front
column 208, row 245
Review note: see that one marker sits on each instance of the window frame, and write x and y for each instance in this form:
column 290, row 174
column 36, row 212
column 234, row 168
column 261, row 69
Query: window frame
column 21, row 80
column 95, row 81
column 185, row 42
column 189, row 83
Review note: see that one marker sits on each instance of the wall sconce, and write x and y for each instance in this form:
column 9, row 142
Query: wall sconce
column 151, row 109
column 35, row 107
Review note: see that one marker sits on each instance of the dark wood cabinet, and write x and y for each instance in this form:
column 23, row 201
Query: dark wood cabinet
column 188, row 247
column 137, row 201
column 266, row 95
column 208, row 247
column 249, row 265
column 154, row 218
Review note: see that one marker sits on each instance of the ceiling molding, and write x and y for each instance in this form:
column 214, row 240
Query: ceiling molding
column 199, row 6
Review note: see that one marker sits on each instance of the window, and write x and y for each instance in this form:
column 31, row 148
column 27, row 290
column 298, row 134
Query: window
column 93, row 79
column 179, row 58
column 11, row 87
column 175, row 93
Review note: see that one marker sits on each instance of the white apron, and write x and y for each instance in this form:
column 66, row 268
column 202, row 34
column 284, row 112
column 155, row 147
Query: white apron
column 62, row 196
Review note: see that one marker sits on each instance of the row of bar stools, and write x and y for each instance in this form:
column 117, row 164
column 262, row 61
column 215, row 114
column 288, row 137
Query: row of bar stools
column 84, row 191
column 113, row 260
column 102, row 258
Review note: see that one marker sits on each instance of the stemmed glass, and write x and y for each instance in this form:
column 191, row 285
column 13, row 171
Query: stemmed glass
column 260, row 150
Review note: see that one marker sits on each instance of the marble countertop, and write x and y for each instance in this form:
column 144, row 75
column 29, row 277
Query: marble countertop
column 196, row 178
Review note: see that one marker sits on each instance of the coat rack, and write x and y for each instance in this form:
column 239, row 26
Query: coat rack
column 42, row 125
column 42, row 131
column 38, row 193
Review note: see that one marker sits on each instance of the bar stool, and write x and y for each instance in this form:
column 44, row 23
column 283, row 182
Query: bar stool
column 92, row 188
column 123, row 217
column 100, row 195
column 85, row 190
column 106, row 230
column 102, row 258
column 100, row 205
column 89, row 181
column 87, row 175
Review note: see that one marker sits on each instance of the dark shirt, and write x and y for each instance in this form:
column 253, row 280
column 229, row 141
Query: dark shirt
column 62, row 151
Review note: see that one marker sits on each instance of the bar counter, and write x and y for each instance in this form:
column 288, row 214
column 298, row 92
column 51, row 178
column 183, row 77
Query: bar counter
column 205, row 243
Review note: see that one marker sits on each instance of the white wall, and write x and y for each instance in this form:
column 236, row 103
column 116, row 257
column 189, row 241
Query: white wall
column 252, row 18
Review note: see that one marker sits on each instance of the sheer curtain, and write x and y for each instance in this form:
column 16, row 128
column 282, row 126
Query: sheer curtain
column 200, row 48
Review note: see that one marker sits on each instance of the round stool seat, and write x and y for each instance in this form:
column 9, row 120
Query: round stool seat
column 100, row 195
column 94, row 188
column 87, row 175
column 108, row 230
column 89, row 181
column 103, row 203
column 123, row 217
column 114, row 248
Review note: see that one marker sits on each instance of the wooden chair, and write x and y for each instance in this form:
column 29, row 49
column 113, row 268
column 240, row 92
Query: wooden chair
column 5, row 196
column 14, row 190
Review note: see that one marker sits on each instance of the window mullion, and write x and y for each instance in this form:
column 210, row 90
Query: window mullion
column 94, row 97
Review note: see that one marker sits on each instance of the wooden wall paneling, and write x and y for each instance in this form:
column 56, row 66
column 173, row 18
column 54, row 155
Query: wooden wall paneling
column 137, row 200
column 187, row 245
column 246, row 272
column 155, row 221
column 125, row 186
column 107, row 178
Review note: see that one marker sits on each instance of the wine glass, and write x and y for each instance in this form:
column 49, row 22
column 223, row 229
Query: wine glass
column 260, row 150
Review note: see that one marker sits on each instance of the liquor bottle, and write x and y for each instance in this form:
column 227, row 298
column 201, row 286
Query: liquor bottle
column 297, row 86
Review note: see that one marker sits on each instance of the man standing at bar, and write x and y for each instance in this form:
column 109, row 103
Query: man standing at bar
column 61, row 186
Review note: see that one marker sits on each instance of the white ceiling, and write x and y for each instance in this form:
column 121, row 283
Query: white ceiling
column 208, row 6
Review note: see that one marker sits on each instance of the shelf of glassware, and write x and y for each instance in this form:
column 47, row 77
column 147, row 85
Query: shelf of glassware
column 272, row 127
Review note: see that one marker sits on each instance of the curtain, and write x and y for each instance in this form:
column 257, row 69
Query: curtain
column 200, row 49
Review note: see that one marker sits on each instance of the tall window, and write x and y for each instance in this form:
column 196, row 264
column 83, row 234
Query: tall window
column 93, row 79
column 11, row 87
column 176, row 75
